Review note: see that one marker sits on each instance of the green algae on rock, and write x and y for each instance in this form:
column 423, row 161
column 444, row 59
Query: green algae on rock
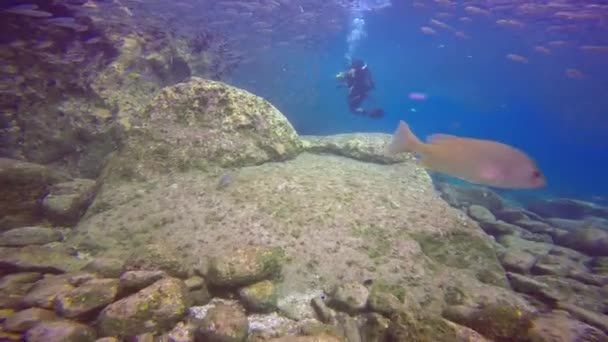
column 87, row 298
column 418, row 327
column 67, row 201
column 23, row 185
column 61, row 331
column 501, row 322
column 465, row 250
column 19, row 237
column 368, row 147
column 163, row 303
column 245, row 266
column 39, row 259
column 201, row 124
column 260, row 297
column 227, row 323
column 155, row 257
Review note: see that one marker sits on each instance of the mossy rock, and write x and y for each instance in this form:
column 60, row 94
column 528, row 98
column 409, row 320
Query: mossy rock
column 246, row 266
column 499, row 321
column 154, row 309
column 417, row 327
column 156, row 257
column 369, row 147
column 260, row 297
column 203, row 124
column 465, row 250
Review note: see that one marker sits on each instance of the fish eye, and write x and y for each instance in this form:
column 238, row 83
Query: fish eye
column 536, row 174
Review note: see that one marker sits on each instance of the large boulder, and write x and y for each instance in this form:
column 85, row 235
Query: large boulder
column 19, row 237
column 156, row 308
column 245, row 266
column 39, row 259
column 67, row 201
column 403, row 233
column 464, row 196
column 23, row 185
column 200, row 124
column 591, row 241
column 370, row 147
column 567, row 208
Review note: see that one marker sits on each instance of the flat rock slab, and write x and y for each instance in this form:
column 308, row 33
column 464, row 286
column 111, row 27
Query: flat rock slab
column 29, row 236
column 337, row 219
column 370, row 147
column 61, row 331
column 39, row 259
column 86, row 298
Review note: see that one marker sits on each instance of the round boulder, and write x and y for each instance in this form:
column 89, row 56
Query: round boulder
column 200, row 124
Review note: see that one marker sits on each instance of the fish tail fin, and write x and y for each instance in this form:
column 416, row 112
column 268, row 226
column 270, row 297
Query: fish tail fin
column 404, row 140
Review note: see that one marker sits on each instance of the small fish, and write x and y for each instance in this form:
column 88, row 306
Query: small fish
column 461, row 35
column 478, row 161
column 517, row 58
column 476, row 10
column 542, row 49
column 225, row 180
column 28, row 12
column 427, row 30
column 509, row 23
column 575, row 74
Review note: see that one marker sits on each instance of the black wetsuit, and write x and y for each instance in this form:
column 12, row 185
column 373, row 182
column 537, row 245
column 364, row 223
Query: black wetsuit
column 359, row 82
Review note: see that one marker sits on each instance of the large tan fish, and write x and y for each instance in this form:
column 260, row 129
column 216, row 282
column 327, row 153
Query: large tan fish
column 477, row 161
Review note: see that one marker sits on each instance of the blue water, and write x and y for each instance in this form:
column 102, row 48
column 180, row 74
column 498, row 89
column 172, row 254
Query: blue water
column 473, row 90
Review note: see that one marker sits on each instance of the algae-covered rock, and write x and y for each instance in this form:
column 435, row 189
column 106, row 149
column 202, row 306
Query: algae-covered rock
column 45, row 290
column 18, row 237
column 223, row 323
column 182, row 332
column 86, row 298
column 137, row 280
column 567, row 208
column 22, row 187
column 465, row 196
column 67, row 201
column 60, row 331
column 532, row 286
column 106, row 267
column 39, row 259
column 24, row 320
column 590, row 240
column 417, row 327
column 375, row 328
column 245, row 266
column 559, row 326
column 384, row 302
column 14, row 286
column 465, row 250
column 200, row 124
column 497, row 321
column 155, row 308
column 156, row 257
column 260, row 297
column 518, row 261
column 194, row 282
column 369, row 147
column 350, row 297
column 481, row 214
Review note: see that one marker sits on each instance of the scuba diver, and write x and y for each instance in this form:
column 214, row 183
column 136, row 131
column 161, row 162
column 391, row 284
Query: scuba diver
column 359, row 81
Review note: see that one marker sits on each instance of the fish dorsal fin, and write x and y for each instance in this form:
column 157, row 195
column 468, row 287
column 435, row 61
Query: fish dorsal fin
column 438, row 138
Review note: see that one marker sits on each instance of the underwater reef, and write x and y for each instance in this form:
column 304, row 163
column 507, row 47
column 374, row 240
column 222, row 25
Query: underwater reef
column 75, row 72
column 215, row 221
column 142, row 199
